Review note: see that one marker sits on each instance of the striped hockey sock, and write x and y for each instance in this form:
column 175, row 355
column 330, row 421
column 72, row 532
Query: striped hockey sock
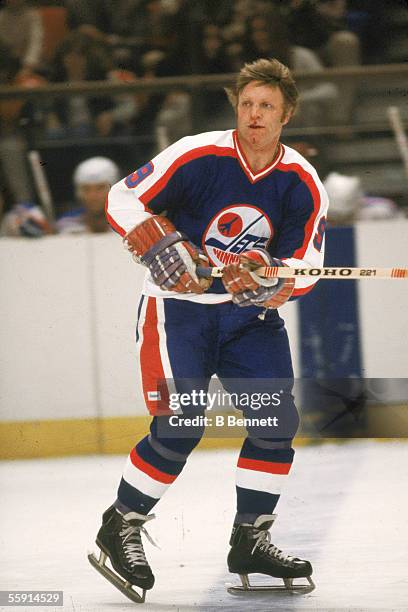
column 261, row 473
column 151, row 467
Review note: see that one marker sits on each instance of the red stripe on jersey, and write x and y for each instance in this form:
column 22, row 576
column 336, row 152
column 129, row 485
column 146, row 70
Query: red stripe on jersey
column 246, row 166
column 180, row 161
column 153, row 377
column 148, row 469
column 264, row 466
column 112, row 221
column 306, row 178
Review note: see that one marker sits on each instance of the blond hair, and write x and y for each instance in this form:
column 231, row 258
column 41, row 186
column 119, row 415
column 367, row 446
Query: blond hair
column 268, row 72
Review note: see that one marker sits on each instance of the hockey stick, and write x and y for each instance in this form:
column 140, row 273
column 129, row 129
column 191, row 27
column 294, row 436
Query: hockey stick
column 394, row 116
column 324, row 273
column 41, row 184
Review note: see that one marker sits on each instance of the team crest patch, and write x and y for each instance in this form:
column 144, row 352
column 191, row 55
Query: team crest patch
column 236, row 229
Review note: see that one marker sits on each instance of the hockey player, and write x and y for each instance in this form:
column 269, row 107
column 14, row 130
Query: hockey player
column 92, row 180
column 242, row 199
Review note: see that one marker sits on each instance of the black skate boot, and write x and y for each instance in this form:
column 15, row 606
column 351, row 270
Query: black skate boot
column 252, row 553
column 120, row 539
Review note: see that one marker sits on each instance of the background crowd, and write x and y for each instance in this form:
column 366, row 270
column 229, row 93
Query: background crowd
column 64, row 41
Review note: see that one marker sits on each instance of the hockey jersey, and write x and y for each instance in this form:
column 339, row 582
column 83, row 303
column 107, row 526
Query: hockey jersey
column 205, row 185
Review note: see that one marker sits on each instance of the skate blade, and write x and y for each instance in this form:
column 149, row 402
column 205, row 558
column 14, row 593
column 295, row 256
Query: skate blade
column 123, row 586
column 286, row 587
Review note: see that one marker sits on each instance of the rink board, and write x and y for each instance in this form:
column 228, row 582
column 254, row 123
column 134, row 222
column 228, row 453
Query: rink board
column 59, row 438
column 68, row 362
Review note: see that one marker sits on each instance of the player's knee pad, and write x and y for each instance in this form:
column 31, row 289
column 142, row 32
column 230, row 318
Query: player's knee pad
column 280, row 451
column 271, row 444
column 176, row 433
column 278, row 422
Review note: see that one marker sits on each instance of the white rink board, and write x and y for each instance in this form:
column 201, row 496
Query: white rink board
column 68, row 309
column 68, row 316
column 343, row 509
column 46, row 369
column 383, row 311
column 117, row 289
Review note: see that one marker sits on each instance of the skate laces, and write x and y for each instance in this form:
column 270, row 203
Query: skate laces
column 263, row 543
column 132, row 542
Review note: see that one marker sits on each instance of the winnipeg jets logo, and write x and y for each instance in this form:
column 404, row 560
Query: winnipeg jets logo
column 230, row 224
column 236, row 229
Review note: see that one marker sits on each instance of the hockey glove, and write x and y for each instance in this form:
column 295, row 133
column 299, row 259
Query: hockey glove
column 248, row 289
column 170, row 257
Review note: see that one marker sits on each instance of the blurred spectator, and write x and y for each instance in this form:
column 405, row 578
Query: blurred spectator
column 54, row 24
column 25, row 220
column 213, row 58
column 92, row 180
column 95, row 16
column 348, row 203
column 345, row 194
column 327, row 34
column 154, row 64
column 21, row 31
column 375, row 208
column 149, row 20
column 343, row 46
column 130, row 27
column 174, row 117
column 376, row 25
column 321, row 25
column 127, row 107
column 13, row 136
column 81, row 58
column 219, row 11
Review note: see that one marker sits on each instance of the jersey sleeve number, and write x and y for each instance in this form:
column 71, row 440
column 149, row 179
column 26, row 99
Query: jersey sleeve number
column 318, row 237
column 134, row 179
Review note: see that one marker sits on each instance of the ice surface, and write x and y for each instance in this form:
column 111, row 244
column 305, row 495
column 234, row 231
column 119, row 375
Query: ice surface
column 344, row 508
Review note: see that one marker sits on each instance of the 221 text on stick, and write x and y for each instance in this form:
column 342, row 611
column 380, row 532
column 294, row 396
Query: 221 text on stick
column 325, row 273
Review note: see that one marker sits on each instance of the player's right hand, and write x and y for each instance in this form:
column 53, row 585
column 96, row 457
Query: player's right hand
column 248, row 289
column 171, row 258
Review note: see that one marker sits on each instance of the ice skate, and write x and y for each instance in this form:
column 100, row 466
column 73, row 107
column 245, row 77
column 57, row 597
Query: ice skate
column 120, row 540
column 252, row 553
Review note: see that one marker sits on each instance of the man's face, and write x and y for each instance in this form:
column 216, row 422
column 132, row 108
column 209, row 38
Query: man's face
column 93, row 196
column 261, row 115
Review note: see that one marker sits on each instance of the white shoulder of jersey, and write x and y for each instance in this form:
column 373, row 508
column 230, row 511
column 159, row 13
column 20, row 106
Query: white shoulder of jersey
column 219, row 138
column 184, row 147
column 291, row 156
column 189, row 144
column 128, row 199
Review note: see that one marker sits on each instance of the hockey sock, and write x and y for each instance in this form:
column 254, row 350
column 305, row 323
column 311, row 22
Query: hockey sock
column 261, row 473
column 150, row 469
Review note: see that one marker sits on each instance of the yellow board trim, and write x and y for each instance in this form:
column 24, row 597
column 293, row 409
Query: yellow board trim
column 117, row 435
column 62, row 438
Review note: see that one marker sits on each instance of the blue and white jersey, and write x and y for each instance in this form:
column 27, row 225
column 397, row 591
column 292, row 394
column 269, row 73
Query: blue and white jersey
column 205, row 186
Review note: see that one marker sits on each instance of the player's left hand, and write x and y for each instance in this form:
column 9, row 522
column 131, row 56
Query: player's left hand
column 248, row 289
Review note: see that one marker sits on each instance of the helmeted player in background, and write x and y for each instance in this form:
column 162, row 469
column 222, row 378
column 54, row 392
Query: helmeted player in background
column 241, row 199
column 92, row 181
